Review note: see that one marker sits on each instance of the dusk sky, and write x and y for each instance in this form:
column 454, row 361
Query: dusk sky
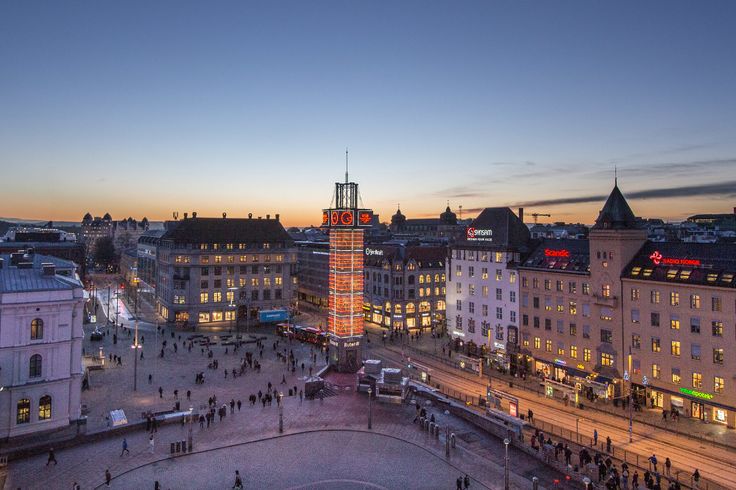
column 143, row 108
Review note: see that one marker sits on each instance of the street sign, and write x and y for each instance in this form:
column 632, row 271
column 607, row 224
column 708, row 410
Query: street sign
column 626, row 375
column 645, row 380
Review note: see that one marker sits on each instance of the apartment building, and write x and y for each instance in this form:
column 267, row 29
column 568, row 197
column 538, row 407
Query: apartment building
column 215, row 270
column 483, row 286
column 679, row 305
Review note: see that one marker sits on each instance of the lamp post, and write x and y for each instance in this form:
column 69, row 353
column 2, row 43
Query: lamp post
column 370, row 413
column 135, row 348
column 281, row 412
column 506, row 465
column 577, row 429
column 631, row 404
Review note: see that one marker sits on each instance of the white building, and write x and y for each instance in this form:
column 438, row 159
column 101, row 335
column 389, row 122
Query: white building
column 41, row 311
column 483, row 285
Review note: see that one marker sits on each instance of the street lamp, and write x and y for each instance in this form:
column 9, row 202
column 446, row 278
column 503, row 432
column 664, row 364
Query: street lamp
column 631, row 404
column 135, row 348
column 506, row 465
column 370, row 412
column 281, row 412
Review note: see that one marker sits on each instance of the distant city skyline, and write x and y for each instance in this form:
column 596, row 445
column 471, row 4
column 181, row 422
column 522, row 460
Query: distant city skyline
column 141, row 109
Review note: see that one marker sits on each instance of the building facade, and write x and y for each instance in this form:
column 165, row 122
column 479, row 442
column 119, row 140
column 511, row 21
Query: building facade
column 313, row 266
column 405, row 286
column 679, row 305
column 216, row 270
column 41, row 312
column 446, row 226
column 483, row 286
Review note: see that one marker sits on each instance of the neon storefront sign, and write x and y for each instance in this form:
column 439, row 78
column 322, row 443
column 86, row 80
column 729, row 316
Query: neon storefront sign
column 658, row 259
column 548, row 252
column 479, row 234
column 696, row 394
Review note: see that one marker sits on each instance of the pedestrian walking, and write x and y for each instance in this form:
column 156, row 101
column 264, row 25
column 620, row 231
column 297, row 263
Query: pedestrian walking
column 238, row 481
column 150, row 378
column 466, row 481
column 52, row 457
column 160, row 392
column 667, row 466
column 189, row 394
column 125, row 447
column 75, row 486
column 108, row 477
column 239, row 404
column 595, row 437
column 459, row 483
column 151, row 444
column 608, row 444
column 530, row 416
column 156, row 485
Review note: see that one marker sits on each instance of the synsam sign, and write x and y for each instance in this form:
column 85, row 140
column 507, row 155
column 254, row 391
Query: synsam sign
column 479, row 234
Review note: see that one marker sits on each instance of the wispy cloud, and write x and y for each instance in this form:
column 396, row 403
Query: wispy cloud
column 713, row 189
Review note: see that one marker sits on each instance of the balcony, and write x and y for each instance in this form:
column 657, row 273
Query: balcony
column 610, row 301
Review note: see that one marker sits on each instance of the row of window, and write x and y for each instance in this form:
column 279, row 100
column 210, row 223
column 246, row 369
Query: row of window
column 675, row 348
column 484, row 310
column 216, row 316
column 242, row 282
column 399, row 280
column 695, row 324
column 655, row 297
column 230, row 270
column 411, row 308
column 572, row 286
column 23, row 409
column 605, row 359
column 696, row 378
column 484, row 273
column 411, row 293
column 480, row 256
column 255, row 294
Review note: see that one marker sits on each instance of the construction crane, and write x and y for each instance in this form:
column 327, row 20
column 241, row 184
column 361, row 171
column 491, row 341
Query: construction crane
column 537, row 215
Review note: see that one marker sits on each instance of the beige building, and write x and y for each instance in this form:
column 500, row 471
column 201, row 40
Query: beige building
column 679, row 304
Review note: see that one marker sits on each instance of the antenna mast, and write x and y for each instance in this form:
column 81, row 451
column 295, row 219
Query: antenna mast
column 346, row 165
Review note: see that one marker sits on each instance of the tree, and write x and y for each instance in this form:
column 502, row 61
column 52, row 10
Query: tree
column 105, row 252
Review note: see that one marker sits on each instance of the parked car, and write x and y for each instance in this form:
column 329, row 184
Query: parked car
column 95, row 335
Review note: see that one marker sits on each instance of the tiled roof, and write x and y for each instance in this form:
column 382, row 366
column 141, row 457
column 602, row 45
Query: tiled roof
column 508, row 231
column 226, row 230
column 707, row 264
column 565, row 255
column 616, row 213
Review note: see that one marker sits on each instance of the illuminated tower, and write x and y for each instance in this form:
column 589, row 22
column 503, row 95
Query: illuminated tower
column 345, row 224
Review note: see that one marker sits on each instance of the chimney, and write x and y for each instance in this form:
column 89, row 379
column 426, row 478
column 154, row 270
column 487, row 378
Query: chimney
column 278, row 216
column 224, row 215
column 521, row 214
column 48, row 269
column 15, row 258
column 2, row 263
column 268, row 216
column 250, row 215
column 25, row 265
column 194, row 214
column 186, row 215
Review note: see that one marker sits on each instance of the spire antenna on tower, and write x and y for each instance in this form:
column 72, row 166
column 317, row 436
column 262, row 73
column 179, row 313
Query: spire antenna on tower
column 346, row 165
column 615, row 175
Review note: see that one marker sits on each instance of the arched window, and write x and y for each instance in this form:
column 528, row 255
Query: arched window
column 44, row 408
column 421, row 279
column 411, row 279
column 34, row 370
column 410, row 308
column 36, row 329
column 23, row 411
column 428, row 279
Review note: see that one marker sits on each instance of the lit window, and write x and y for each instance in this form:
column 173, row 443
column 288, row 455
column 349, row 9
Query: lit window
column 36, row 329
column 717, row 356
column 695, row 301
column 548, row 346
column 676, row 376
column 718, row 384
column 586, row 355
column 606, row 291
column 44, row 408
column 606, row 359
column 204, row 316
column 675, row 348
column 574, row 351
column 204, row 297
column 675, row 298
column 23, row 411
column 537, row 343
column 674, row 322
column 697, row 380
column 717, row 327
column 656, row 371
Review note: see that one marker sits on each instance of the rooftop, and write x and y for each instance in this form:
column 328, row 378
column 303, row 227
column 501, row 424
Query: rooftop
column 225, row 230
column 563, row 255
column 14, row 279
column 707, row 264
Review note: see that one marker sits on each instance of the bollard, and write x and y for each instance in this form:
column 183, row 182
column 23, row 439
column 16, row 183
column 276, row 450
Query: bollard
column 426, row 424
column 452, row 439
column 431, row 427
column 178, row 446
column 436, row 431
column 183, row 446
column 173, row 447
column 535, row 483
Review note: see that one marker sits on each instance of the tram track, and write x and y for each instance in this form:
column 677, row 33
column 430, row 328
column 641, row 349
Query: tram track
column 719, row 467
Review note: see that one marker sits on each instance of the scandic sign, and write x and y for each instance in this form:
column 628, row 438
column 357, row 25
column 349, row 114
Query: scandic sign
column 548, row 252
column 658, row 259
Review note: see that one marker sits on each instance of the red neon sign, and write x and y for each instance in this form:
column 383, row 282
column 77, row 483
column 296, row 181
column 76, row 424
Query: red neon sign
column 325, row 218
column 334, row 218
column 470, row 233
column 346, row 218
column 659, row 259
column 548, row 252
column 365, row 218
